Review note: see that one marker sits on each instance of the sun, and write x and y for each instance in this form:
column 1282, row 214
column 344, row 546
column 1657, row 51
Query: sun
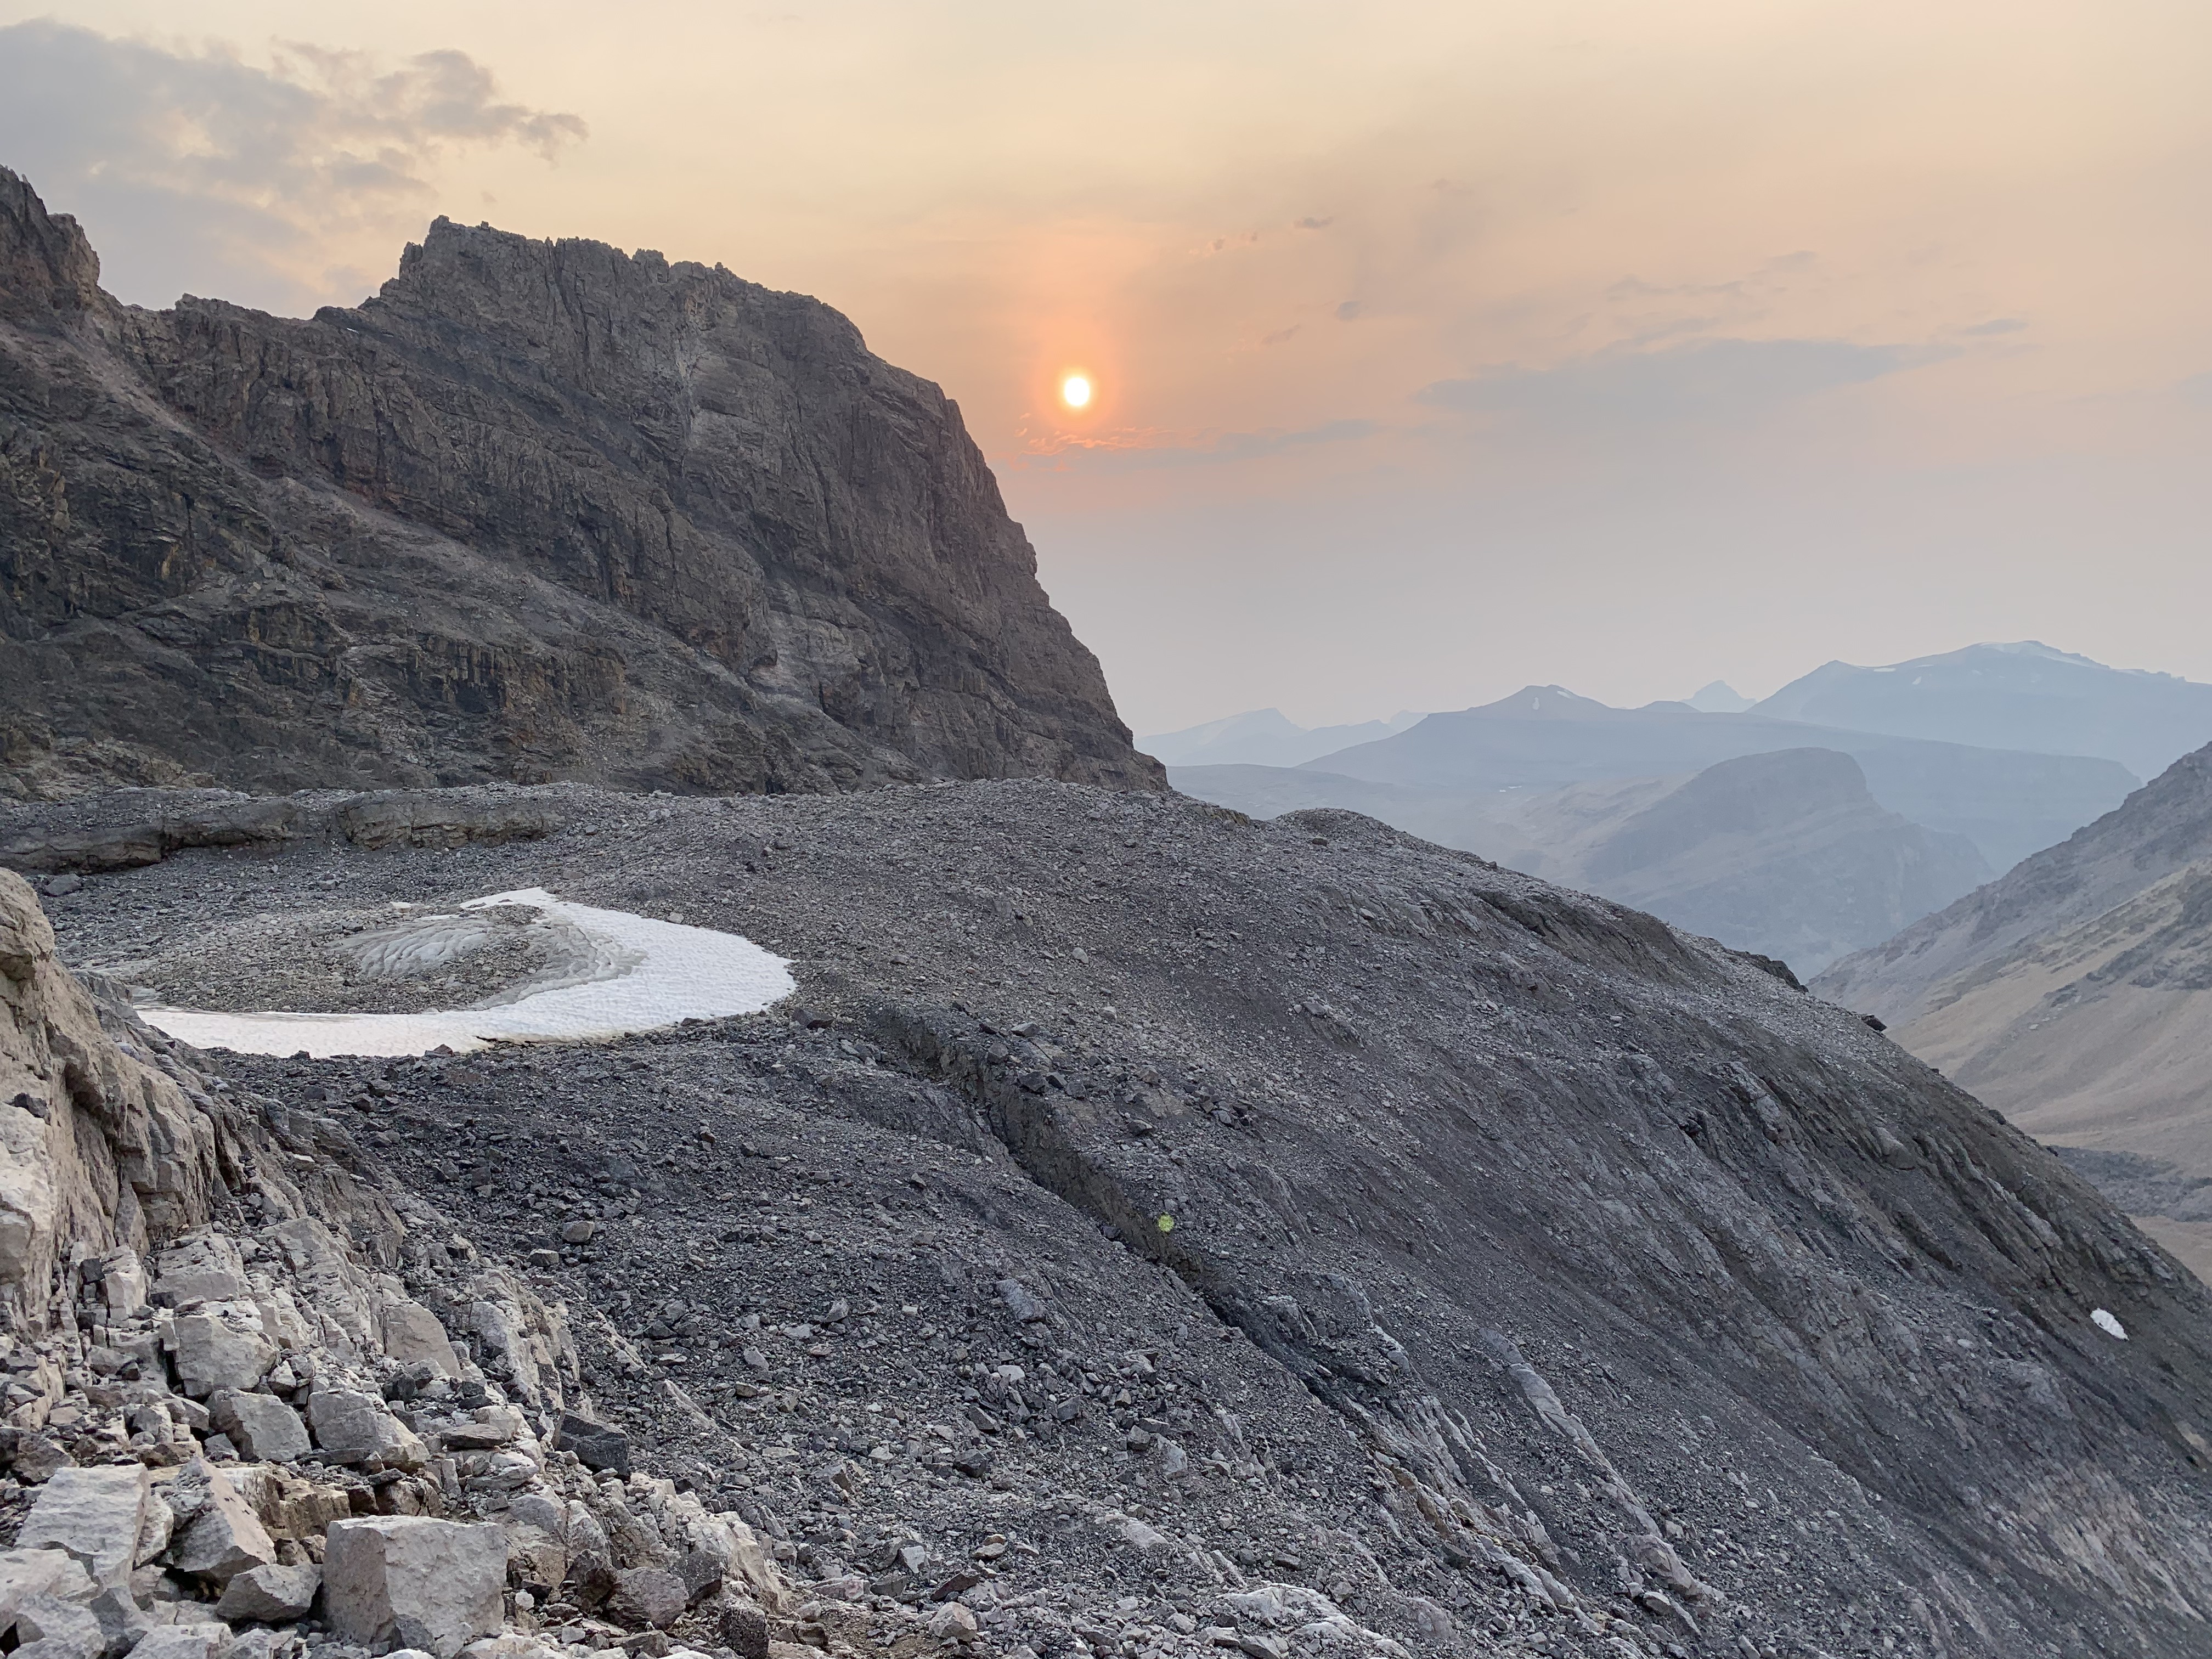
column 1075, row 391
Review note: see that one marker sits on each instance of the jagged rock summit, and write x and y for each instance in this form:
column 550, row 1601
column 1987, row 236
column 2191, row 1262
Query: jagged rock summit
column 540, row 510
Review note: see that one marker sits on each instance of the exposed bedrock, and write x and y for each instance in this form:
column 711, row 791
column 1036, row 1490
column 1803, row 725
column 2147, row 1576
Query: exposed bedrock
column 539, row 510
column 1488, row 1261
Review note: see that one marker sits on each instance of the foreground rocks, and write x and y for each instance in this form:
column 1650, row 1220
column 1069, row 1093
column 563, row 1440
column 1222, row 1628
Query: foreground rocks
column 1148, row 1232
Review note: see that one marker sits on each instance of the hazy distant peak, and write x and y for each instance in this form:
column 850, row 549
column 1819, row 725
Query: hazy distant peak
column 1718, row 698
column 2020, row 695
column 1265, row 737
column 1553, row 702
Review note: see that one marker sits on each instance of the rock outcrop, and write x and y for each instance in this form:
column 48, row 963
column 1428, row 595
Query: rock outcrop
column 539, row 510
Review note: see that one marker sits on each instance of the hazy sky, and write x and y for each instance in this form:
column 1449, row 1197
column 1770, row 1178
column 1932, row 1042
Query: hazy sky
column 1439, row 347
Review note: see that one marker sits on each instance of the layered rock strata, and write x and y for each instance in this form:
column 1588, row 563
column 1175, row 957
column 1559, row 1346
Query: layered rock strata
column 539, row 510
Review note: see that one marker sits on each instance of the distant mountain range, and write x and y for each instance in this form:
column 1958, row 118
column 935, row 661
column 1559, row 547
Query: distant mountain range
column 2008, row 802
column 1786, row 854
column 1265, row 737
column 1882, row 793
column 2024, row 695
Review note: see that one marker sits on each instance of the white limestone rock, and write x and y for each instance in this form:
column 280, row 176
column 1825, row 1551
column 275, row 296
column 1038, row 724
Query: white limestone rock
column 408, row 1579
column 221, row 1348
column 224, row 1537
column 262, row 1426
column 271, row 1595
column 95, row 1516
column 352, row 1426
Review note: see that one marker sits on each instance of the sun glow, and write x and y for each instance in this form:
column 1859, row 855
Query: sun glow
column 1075, row 391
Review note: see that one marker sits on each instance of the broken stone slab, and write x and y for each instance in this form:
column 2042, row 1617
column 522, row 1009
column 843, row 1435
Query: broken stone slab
column 213, row 1352
column 203, row 1266
column 262, row 1426
column 25, row 1573
column 412, row 1334
column 599, row 1447
column 272, row 1595
column 32, row 1458
column 351, row 1427
column 225, row 1537
column 47, row 1628
column 94, row 1514
column 193, row 1641
column 412, row 1581
column 123, row 1284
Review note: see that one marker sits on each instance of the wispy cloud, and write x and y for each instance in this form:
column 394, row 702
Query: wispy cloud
column 198, row 168
column 1708, row 379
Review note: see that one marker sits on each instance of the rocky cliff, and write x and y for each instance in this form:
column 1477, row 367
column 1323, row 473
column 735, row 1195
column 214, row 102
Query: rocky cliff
column 539, row 510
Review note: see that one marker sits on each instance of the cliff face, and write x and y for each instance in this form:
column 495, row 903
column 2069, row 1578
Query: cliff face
column 539, row 510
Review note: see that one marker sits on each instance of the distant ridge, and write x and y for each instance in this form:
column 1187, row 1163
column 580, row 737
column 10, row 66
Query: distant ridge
column 2008, row 803
column 2023, row 695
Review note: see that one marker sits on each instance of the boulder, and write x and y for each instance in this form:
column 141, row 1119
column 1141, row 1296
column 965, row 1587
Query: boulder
column 48, row 1628
column 192, row 1641
column 94, row 1514
column 121, row 1620
column 744, row 1629
column 411, row 1581
column 412, row 1335
column 225, row 1537
column 203, row 1266
column 350, row 1427
column 27, row 1573
column 647, row 1597
column 599, row 1447
column 271, row 1595
column 262, row 1426
column 213, row 1352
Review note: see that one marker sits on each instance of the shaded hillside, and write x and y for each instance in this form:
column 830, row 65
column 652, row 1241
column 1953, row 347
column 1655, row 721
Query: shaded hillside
column 1785, row 854
column 2024, row 695
column 538, row 510
column 2008, row 803
column 2075, row 993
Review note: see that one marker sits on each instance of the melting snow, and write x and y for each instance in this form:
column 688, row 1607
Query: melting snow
column 638, row 975
column 2108, row 1322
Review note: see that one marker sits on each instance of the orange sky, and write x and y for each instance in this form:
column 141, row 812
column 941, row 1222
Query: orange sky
column 1438, row 347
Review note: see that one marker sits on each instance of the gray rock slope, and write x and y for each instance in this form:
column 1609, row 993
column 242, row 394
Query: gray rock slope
column 2008, row 803
column 2075, row 993
column 539, row 510
column 1785, row 854
column 2023, row 696
column 1150, row 1228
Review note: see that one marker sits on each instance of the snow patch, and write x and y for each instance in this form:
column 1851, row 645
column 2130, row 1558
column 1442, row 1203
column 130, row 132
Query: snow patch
column 2108, row 1322
column 642, row 976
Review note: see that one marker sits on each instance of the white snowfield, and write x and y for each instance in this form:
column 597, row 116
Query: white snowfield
column 626, row 973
